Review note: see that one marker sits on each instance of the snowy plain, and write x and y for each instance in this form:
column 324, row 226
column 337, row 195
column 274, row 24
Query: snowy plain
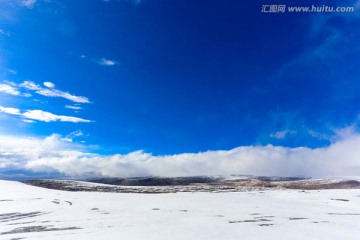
column 28, row 212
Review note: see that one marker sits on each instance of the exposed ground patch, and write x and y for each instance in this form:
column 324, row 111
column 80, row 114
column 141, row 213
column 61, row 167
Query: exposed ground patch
column 340, row 199
column 252, row 220
column 297, row 218
column 7, row 217
column 37, row 229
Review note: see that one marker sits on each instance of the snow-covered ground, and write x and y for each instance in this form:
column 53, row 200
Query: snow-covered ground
column 28, row 212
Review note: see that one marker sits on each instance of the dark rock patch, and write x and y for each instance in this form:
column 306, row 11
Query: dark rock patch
column 266, row 225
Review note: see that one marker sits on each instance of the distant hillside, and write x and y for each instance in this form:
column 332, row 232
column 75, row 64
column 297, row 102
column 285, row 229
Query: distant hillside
column 193, row 184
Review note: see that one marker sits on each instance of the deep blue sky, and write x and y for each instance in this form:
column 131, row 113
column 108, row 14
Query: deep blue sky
column 181, row 76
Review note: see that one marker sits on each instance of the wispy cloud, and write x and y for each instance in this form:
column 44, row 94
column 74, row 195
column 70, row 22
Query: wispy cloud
column 73, row 107
column 29, row 121
column 101, row 61
column 40, row 115
column 3, row 32
column 318, row 135
column 30, row 85
column 340, row 158
column 12, row 71
column 107, row 62
column 50, row 91
column 70, row 137
column 66, row 95
column 43, row 116
column 282, row 134
column 27, row 3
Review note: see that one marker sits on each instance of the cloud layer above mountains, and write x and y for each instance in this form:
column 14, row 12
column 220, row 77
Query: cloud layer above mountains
column 53, row 153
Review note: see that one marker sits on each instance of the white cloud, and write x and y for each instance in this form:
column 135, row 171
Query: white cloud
column 49, row 84
column 43, row 116
column 341, row 158
column 50, row 117
column 28, row 121
column 27, row 3
column 12, row 111
column 107, row 62
column 8, row 89
column 73, row 107
column 52, row 92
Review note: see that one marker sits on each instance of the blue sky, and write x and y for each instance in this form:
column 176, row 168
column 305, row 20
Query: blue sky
column 172, row 77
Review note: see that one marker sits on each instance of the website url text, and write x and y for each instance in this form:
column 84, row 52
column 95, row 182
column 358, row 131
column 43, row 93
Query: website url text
column 308, row 9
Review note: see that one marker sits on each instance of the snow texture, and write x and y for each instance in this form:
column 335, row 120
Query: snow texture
column 28, row 212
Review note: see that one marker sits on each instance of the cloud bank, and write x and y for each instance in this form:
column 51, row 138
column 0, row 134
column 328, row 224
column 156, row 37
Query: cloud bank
column 341, row 158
